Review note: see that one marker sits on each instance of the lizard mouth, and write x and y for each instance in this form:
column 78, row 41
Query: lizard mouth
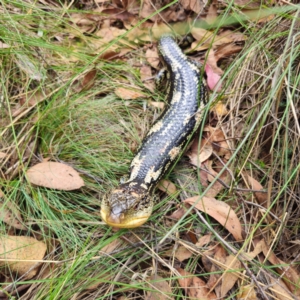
column 121, row 221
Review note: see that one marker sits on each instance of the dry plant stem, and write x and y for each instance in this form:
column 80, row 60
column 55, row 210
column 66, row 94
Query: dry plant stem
column 117, row 277
column 225, row 166
column 18, row 143
column 270, row 250
column 24, row 113
column 229, row 187
column 275, row 238
column 292, row 106
column 69, row 277
column 155, row 255
column 183, row 188
column 271, row 178
column 20, row 288
column 234, row 252
column 263, row 209
column 233, row 101
column 13, row 284
column 146, row 255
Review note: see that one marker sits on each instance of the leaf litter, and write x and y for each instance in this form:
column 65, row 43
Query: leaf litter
column 217, row 270
column 55, row 175
column 11, row 215
column 21, row 254
column 220, row 211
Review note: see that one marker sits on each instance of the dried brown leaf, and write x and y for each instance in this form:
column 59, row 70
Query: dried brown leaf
column 265, row 19
column 212, row 13
column 226, row 50
column 55, row 175
column 109, row 248
column 279, row 289
column 200, row 290
column 218, row 140
column 213, row 260
column 223, row 47
column 177, row 214
column 87, row 81
column 128, row 94
column 193, row 5
column 231, row 274
column 194, row 287
column 116, row 13
column 10, row 214
column 211, row 172
column 289, row 275
column 206, row 40
column 220, row 211
column 146, row 77
column 207, row 257
column 262, row 198
column 212, row 61
column 218, row 185
column 147, row 9
column 201, row 35
column 152, row 57
column 247, row 292
column 235, row 36
column 29, row 100
column 205, row 151
column 257, row 249
column 110, row 54
column 133, row 6
column 203, row 176
column 186, row 280
column 171, row 14
column 204, row 240
column 214, row 134
column 160, row 289
column 83, row 22
column 107, row 35
column 203, row 39
column 182, row 253
column 157, row 104
column 220, row 254
column 167, row 187
column 21, row 253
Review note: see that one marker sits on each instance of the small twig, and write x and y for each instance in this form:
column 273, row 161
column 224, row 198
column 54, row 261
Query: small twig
column 234, row 251
column 264, row 209
column 229, row 187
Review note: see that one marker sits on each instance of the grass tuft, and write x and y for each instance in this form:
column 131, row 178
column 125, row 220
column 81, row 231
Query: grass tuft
column 46, row 113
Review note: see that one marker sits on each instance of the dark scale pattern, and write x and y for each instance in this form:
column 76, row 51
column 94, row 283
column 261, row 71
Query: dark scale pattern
column 131, row 203
column 178, row 120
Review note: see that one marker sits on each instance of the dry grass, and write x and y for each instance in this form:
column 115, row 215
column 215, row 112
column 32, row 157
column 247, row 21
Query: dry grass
column 97, row 133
